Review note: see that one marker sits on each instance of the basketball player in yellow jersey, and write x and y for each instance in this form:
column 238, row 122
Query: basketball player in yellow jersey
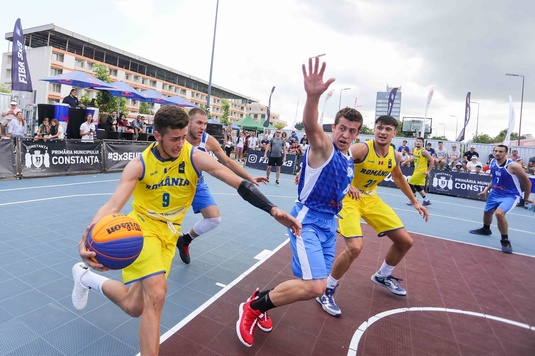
column 374, row 161
column 162, row 180
column 421, row 159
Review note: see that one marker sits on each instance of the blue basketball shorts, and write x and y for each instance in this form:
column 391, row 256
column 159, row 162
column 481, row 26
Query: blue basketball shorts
column 313, row 252
column 504, row 202
column 203, row 198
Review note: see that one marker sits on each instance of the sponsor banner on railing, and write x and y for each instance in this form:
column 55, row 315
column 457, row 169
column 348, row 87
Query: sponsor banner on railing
column 46, row 158
column 255, row 159
column 118, row 154
column 8, row 159
column 464, row 185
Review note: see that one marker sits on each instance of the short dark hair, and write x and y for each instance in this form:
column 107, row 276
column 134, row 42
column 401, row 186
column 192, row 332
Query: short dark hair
column 350, row 114
column 387, row 120
column 170, row 117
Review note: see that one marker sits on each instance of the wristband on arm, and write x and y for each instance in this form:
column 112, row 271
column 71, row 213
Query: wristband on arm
column 250, row 193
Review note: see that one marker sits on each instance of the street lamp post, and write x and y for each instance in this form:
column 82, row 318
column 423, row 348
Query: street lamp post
column 212, row 63
column 340, row 100
column 443, row 129
column 521, row 104
column 456, row 125
column 477, row 120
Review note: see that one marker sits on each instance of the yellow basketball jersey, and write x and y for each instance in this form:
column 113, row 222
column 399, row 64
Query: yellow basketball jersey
column 420, row 161
column 373, row 169
column 166, row 190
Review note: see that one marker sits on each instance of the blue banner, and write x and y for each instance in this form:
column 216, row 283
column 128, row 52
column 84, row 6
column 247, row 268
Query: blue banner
column 391, row 99
column 20, row 72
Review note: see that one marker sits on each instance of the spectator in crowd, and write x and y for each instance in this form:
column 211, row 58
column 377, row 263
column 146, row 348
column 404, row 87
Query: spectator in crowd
column 111, row 122
column 284, row 136
column 405, row 160
column 56, row 131
column 429, row 148
column 294, row 137
column 122, row 123
column 453, row 156
column 486, row 167
column 277, row 156
column 8, row 115
column 478, row 170
column 240, row 144
column 467, row 157
column 441, row 156
column 531, row 166
column 87, row 129
column 404, row 146
column 458, row 167
column 295, row 149
column 252, row 142
column 304, row 140
column 17, row 127
column 138, row 125
column 72, row 100
column 269, row 135
column 471, row 166
column 229, row 146
column 264, row 143
column 44, row 130
column 515, row 157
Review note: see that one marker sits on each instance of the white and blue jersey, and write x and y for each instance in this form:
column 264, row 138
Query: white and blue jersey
column 203, row 198
column 506, row 191
column 320, row 194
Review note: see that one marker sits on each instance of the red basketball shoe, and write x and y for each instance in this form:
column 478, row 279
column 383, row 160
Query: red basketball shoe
column 246, row 324
column 265, row 323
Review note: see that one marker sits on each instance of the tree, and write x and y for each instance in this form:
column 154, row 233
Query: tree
column 225, row 105
column 144, row 108
column 299, row 125
column 279, row 126
column 3, row 89
column 365, row 130
column 103, row 97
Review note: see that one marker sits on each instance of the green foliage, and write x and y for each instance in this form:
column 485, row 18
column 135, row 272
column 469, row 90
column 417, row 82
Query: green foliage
column 279, row 126
column 103, row 97
column 365, row 130
column 117, row 104
column 226, row 112
column 299, row 125
column 443, row 138
column 144, row 108
column 84, row 100
column 485, row 138
column 3, row 89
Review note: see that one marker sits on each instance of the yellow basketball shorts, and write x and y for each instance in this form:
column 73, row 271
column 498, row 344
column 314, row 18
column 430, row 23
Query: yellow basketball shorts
column 417, row 179
column 159, row 247
column 373, row 210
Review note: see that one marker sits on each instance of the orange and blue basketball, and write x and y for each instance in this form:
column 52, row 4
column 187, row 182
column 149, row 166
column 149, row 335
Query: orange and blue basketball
column 116, row 239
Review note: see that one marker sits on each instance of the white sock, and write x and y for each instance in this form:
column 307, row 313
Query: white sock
column 426, row 198
column 331, row 282
column 92, row 280
column 386, row 269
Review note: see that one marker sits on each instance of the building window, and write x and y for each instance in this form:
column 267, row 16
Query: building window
column 78, row 63
column 113, row 72
column 55, row 88
column 57, row 57
column 56, row 71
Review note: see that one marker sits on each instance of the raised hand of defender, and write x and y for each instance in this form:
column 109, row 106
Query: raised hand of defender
column 287, row 220
column 314, row 85
column 260, row 179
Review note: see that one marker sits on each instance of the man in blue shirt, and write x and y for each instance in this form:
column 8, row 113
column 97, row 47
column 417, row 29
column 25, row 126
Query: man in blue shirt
column 404, row 146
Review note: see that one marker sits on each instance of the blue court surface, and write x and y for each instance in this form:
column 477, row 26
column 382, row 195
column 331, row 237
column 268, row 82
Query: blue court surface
column 42, row 220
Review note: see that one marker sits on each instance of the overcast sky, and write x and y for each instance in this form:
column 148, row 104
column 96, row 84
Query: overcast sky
column 452, row 46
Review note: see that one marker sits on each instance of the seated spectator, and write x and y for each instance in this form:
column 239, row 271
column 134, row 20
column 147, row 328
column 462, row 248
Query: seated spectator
column 404, row 146
column 44, row 130
column 458, row 167
column 486, row 167
column 122, row 123
column 111, row 122
column 479, row 170
column 295, row 149
column 294, row 137
column 441, row 156
column 467, row 157
column 17, row 126
column 516, row 158
column 304, row 140
column 56, row 131
column 405, row 157
column 453, row 156
column 138, row 125
column 471, row 166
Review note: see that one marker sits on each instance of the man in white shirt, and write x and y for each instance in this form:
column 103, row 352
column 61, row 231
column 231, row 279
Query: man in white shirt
column 453, row 155
column 9, row 114
column 252, row 142
column 87, row 129
column 471, row 166
column 441, row 158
